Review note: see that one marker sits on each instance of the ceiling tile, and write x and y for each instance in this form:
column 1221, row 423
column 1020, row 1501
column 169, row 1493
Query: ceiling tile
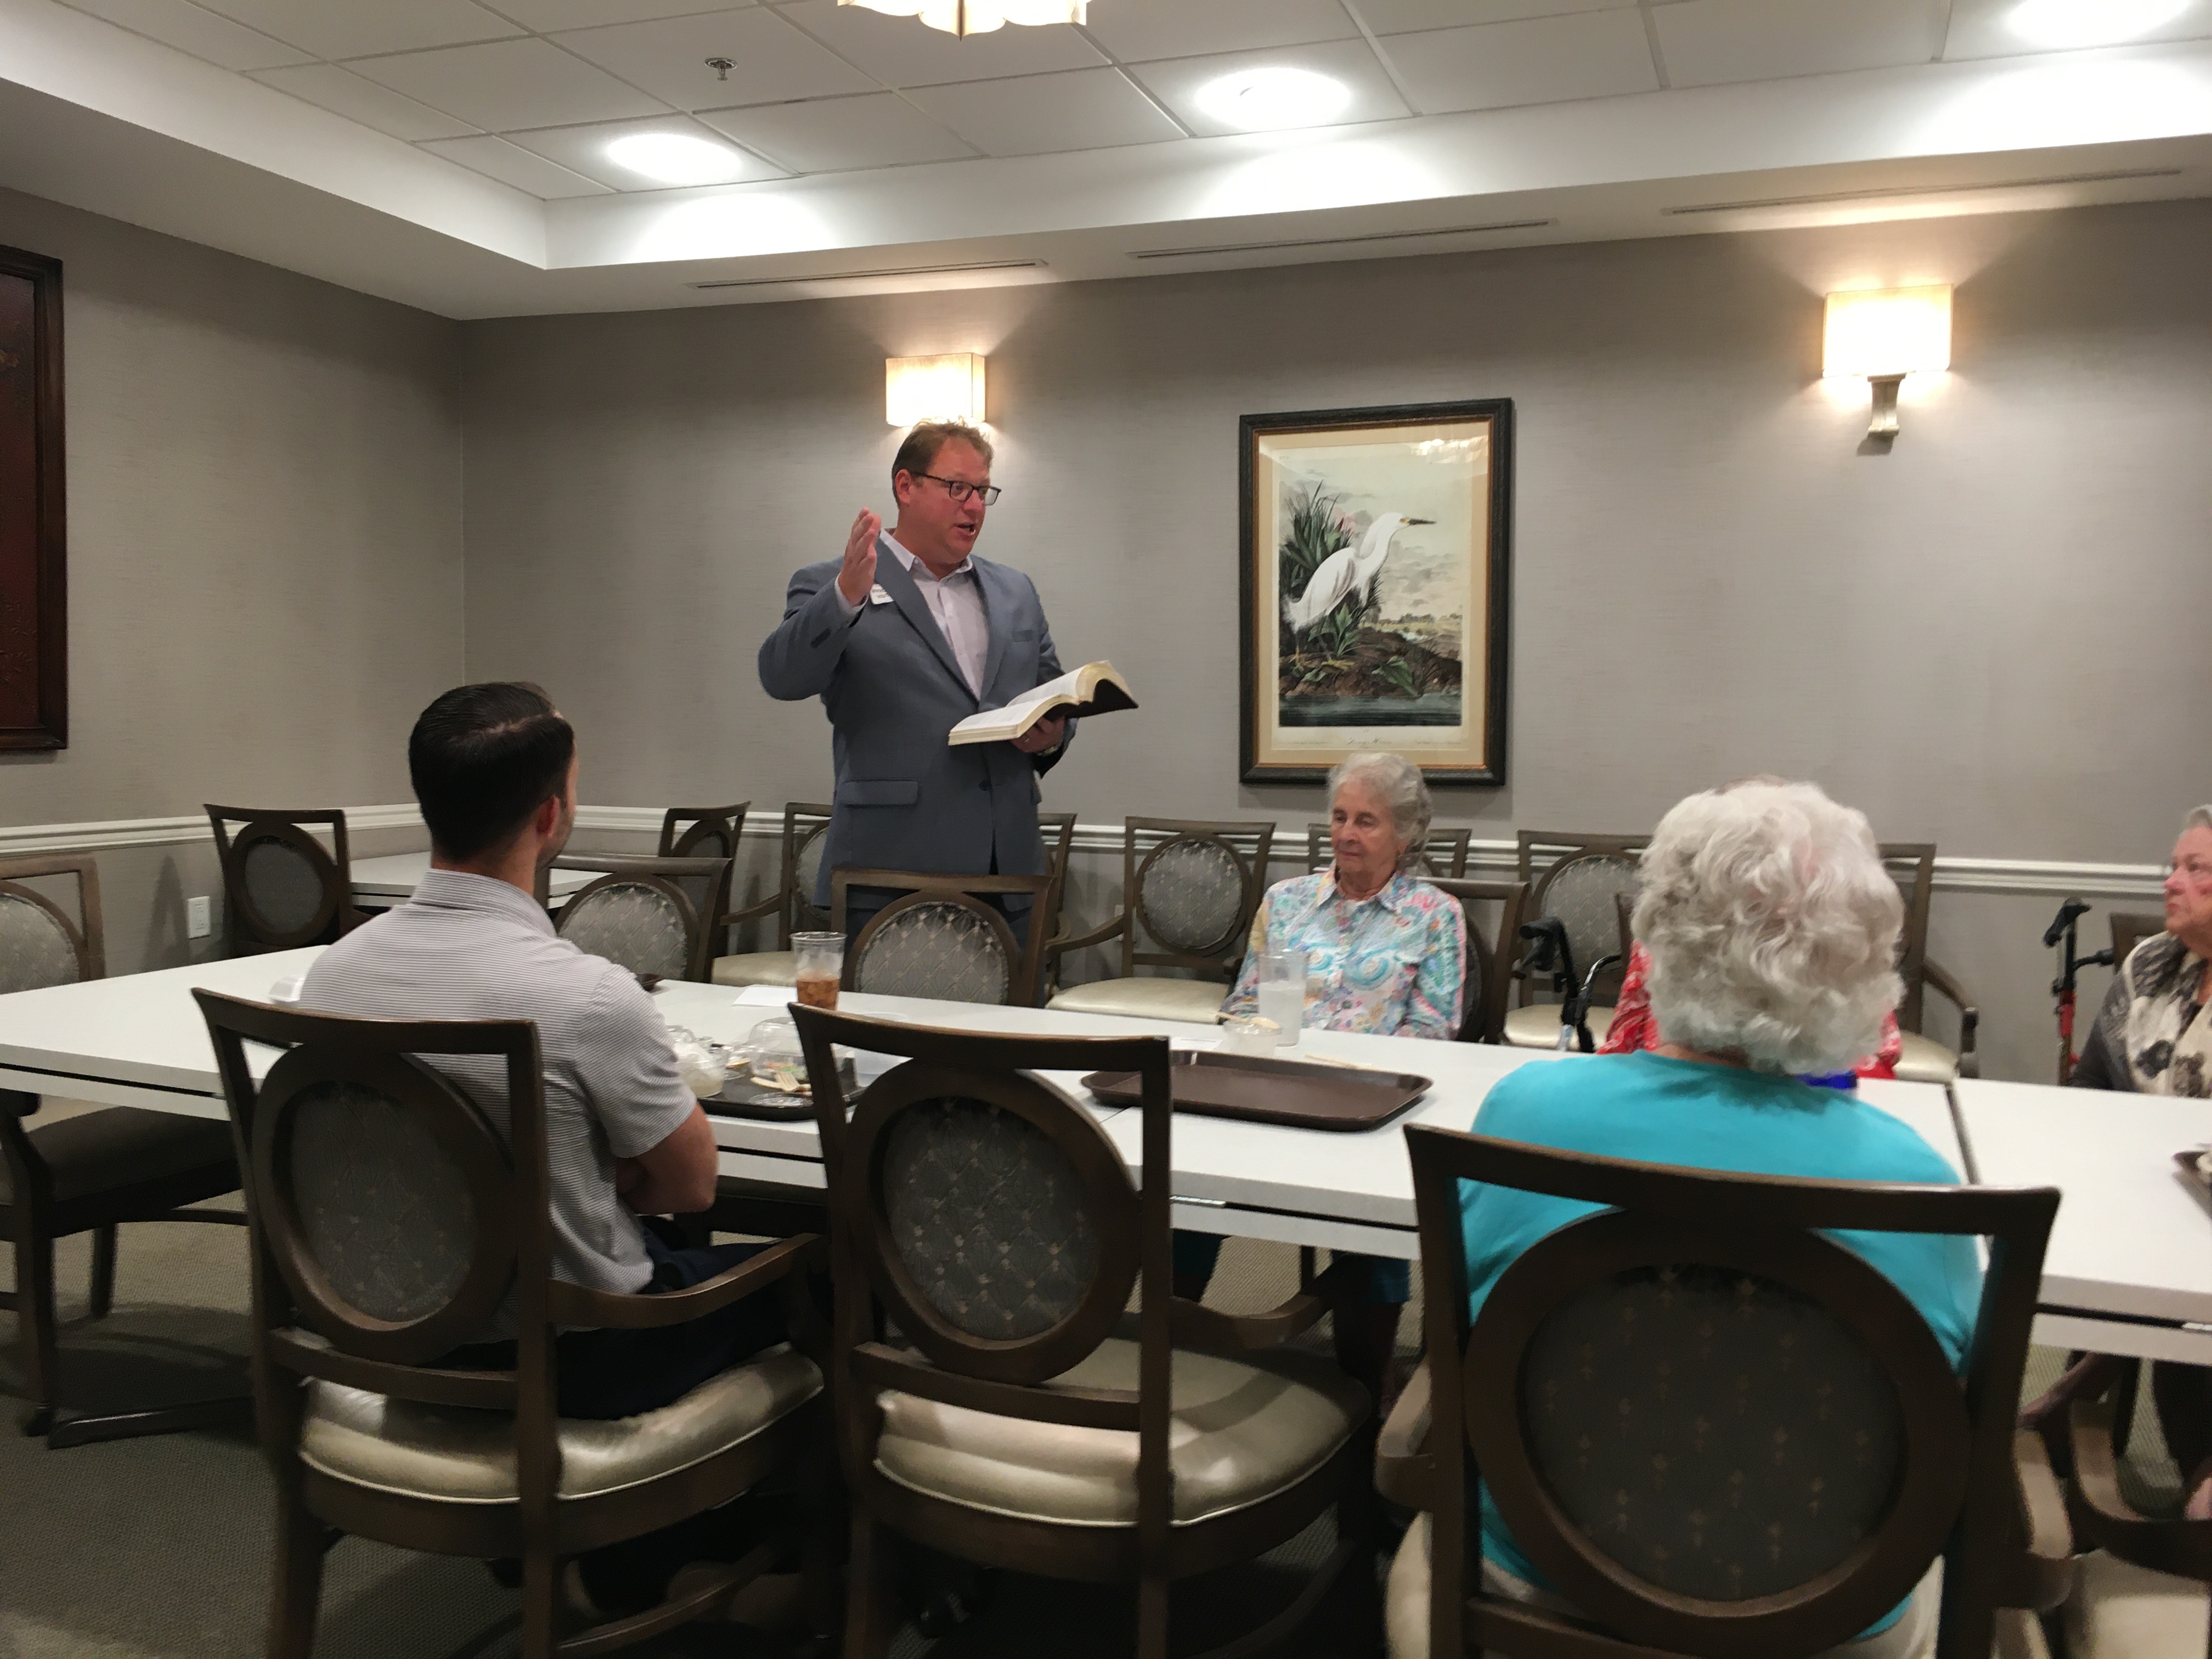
column 1177, row 81
column 510, row 84
column 192, row 28
column 1030, row 115
column 901, row 52
column 1979, row 29
column 770, row 61
column 511, row 165
column 1704, row 42
column 1403, row 17
column 353, row 28
column 831, row 135
column 1541, row 60
column 1135, row 29
column 343, row 92
column 583, row 149
column 546, row 15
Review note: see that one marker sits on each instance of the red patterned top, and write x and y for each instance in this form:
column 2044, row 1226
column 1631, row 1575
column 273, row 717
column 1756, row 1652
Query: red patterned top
column 1633, row 1028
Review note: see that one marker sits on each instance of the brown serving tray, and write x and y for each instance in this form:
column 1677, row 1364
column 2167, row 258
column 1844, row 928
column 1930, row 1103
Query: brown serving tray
column 748, row 1099
column 1292, row 1092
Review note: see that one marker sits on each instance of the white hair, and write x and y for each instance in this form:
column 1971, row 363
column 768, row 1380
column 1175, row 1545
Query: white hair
column 1772, row 928
column 2200, row 817
column 1399, row 782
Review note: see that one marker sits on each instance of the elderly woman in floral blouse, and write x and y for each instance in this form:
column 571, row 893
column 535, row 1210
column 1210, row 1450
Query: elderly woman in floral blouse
column 1385, row 953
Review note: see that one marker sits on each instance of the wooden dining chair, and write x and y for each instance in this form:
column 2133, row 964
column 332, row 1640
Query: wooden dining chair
column 791, row 906
column 94, row 1171
column 391, row 1223
column 639, row 915
column 1057, row 829
column 706, row 832
column 1021, row 1420
column 1576, row 878
column 939, row 938
column 1443, row 851
column 1490, row 955
column 1924, row 1059
column 1713, row 1429
column 1187, row 902
column 2130, row 928
column 282, row 889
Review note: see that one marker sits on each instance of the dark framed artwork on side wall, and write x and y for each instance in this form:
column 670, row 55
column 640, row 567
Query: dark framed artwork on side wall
column 33, row 539
column 1377, row 550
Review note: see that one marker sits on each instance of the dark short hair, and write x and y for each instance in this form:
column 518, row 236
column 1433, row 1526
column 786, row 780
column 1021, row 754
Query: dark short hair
column 919, row 453
column 483, row 759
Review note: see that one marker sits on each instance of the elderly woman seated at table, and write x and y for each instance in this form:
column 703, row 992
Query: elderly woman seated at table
column 2151, row 1038
column 1772, row 929
column 1385, row 953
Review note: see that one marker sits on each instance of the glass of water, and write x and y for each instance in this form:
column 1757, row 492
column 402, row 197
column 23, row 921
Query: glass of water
column 1283, row 993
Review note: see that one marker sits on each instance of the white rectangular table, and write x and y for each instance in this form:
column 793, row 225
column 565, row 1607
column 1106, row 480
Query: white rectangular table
column 380, row 883
column 139, row 1041
column 2128, row 1269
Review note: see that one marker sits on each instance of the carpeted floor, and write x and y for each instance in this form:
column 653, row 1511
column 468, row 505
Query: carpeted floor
column 160, row 1546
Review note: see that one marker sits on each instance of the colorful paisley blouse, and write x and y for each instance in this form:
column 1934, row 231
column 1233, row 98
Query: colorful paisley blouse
column 1392, row 964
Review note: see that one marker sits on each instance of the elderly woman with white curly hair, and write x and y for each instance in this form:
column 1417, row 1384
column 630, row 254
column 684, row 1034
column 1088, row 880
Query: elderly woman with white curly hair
column 1385, row 953
column 1772, row 928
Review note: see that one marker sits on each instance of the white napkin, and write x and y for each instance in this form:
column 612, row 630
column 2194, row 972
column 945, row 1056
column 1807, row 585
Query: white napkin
column 765, row 996
column 702, row 1073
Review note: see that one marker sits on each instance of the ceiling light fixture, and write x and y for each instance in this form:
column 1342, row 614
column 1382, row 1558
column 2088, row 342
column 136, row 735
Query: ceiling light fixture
column 2063, row 23
column 675, row 158
column 1269, row 100
column 977, row 16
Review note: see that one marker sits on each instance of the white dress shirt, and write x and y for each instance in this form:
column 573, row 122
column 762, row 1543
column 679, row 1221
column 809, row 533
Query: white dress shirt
column 957, row 603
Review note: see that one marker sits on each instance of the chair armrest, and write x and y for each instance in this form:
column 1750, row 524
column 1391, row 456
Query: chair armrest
column 574, row 1304
column 1193, row 1325
column 1056, row 948
column 1404, row 1472
column 1938, row 978
column 766, row 906
column 2042, row 1576
column 2110, row 1522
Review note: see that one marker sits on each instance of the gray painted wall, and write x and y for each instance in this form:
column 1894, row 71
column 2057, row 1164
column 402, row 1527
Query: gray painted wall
column 264, row 505
column 1991, row 637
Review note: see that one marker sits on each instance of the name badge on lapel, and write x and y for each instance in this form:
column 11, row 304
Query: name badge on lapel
column 877, row 596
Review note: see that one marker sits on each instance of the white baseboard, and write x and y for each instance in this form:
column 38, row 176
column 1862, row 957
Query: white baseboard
column 2056, row 877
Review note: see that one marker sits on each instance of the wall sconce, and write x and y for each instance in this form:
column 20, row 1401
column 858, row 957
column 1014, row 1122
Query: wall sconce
column 947, row 388
column 1884, row 335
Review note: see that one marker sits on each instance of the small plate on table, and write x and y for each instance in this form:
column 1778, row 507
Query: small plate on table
column 1295, row 1094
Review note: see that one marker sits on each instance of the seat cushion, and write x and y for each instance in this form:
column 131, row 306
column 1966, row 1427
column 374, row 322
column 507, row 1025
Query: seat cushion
column 1926, row 1061
column 1147, row 997
column 2121, row 1611
column 1537, row 1025
column 1405, row 1612
column 120, row 1147
column 756, row 968
column 1242, row 1430
column 466, row 1457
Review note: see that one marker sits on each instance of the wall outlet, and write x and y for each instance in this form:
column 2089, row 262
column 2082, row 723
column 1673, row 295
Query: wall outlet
column 198, row 923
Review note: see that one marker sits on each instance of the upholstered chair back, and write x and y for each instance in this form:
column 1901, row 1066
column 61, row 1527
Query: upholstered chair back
column 1491, row 950
column 282, row 887
column 1190, row 895
column 1443, row 851
column 705, row 832
column 1712, row 1427
column 639, row 915
column 946, row 947
column 40, row 944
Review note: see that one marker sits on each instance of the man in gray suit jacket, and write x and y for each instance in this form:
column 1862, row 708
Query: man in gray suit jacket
column 904, row 636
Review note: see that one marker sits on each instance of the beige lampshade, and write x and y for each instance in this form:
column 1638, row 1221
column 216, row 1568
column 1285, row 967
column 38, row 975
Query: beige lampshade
column 977, row 16
column 1890, row 330
column 943, row 388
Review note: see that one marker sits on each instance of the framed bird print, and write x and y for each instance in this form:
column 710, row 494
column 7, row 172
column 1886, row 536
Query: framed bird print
column 1377, row 554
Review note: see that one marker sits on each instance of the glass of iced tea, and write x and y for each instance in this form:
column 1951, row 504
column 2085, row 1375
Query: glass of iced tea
column 821, row 965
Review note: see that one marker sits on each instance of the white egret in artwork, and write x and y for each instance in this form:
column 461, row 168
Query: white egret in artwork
column 1347, row 571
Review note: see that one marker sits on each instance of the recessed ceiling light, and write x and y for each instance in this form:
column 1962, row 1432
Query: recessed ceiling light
column 674, row 158
column 1263, row 99
column 2061, row 23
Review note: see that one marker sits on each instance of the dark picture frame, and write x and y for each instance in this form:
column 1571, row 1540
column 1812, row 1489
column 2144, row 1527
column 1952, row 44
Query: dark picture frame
column 33, row 529
column 1375, row 588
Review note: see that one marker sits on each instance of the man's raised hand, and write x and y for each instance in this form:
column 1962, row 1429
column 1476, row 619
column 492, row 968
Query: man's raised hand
column 859, row 576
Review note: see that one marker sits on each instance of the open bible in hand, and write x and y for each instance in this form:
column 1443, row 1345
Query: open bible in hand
column 1093, row 688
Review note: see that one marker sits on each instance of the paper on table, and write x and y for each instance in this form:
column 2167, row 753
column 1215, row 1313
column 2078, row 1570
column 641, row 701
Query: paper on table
column 764, row 996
